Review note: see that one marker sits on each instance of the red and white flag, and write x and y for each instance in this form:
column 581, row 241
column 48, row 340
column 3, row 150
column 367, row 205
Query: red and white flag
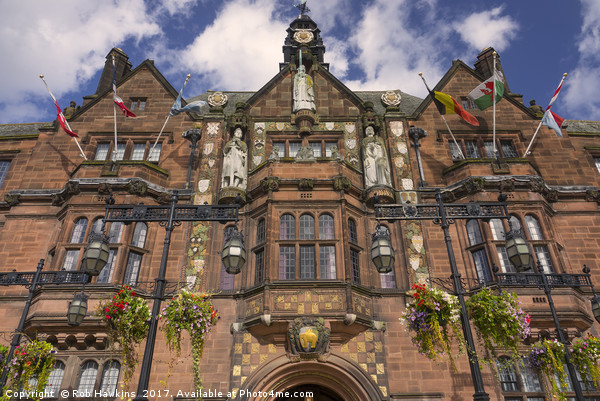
column 62, row 120
column 118, row 101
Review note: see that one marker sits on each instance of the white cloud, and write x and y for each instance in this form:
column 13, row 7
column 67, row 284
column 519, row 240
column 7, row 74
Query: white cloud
column 67, row 42
column 581, row 92
column 487, row 28
column 241, row 49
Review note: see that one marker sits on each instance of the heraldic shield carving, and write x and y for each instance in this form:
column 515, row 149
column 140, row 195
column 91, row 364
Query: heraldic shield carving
column 308, row 338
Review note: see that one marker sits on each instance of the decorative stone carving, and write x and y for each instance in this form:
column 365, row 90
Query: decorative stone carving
column 391, row 98
column 335, row 153
column 270, row 184
column 304, row 94
column 137, row 187
column 274, row 156
column 235, row 162
column 308, row 336
column 12, row 199
column 341, row 183
column 217, row 99
column 305, row 154
column 306, row 184
column 71, row 188
column 303, row 36
column 104, row 188
column 376, row 166
column 239, row 119
column 370, row 118
column 164, row 198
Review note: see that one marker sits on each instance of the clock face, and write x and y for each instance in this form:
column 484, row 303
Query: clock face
column 303, row 36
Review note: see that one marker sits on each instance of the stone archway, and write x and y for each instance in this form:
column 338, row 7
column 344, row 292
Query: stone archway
column 336, row 379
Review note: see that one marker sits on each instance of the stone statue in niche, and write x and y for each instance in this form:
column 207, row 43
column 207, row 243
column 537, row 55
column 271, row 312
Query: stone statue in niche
column 304, row 94
column 235, row 162
column 376, row 165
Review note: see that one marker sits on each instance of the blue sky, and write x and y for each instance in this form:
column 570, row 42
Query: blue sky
column 236, row 45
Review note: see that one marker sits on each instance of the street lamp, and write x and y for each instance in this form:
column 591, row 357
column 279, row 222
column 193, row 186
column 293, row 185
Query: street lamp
column 34, row 280
column 416, row 134
column 169, row 217
column 444, row 215
column 96, row 254
column 234, row 253
column 517, row 250
column 382, row 252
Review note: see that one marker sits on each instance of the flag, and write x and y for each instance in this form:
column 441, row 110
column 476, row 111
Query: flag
column 447, row 105
column 63, row 122
column 555, row 94
column 482, row 95
column 553, row 121
column 118, row 101
column 195, row 106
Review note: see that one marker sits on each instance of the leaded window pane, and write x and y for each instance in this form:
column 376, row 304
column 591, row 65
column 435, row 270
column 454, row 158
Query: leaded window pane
column 474, row 232
column 280, row 148
column 472, row 150
column 132, row 270
column 79, row 231
column 110, row 377
column 355, row 261
column 507, row 375
column 260, row 231
column 287, row 227
column 115, row 232
column 515, row 223
column 543, row 256
column 155, row 153
column 55, row 380
column 325, row 226
column 482, row 266
column 489, row 148
column 87, row 377
column 105, row 275
column 294, row 148
column 597, row 162
column 307, row 227
column 327, row 262
column 455, row 151
column 102, row 151
column 508, row 149
column 316, row 148
column 139, row 149
column 353, row 234
column 260, row 266
column 120, row 151
column 287, row 262
column 531, row 381
column 497, row 229
column 97, row 226
column 533, row 226
column 71, row 259
column 388, row 280
column 328, row 147
column 307, row 262
column 506, row 265
column 4, row 165
column 139, row 235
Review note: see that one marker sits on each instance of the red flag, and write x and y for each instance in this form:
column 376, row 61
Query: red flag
column 118, row 101
column 63, row 122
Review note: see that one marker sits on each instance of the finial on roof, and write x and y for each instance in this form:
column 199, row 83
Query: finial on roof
column 302, row 7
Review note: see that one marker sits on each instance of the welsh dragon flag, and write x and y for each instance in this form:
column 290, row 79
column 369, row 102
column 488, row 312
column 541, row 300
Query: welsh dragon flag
column 482, row 95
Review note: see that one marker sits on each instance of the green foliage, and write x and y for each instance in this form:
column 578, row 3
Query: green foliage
column 585, row 355
column 3, row 356
column 433, row 322
column 127, row 316
column 547, row 357
column 33, row 360
column 192, row 313
column 499, row 321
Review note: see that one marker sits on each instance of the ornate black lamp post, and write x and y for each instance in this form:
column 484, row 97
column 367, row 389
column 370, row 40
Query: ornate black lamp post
column 444, row 215
column 520, row 256
column 416, row 134
column 170, row 217
column 34, row 280
column 192, row 135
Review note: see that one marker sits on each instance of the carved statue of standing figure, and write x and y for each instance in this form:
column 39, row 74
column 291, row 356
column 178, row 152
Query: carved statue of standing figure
column 235, row 166
column 376, row 166
column 304, row 94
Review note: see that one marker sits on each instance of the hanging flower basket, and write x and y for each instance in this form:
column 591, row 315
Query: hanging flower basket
column 127, row 316
column 195, row 314
column 433, row 322
column 33, row 360
column 499, row 321
column 547, row 357
column 585, row 355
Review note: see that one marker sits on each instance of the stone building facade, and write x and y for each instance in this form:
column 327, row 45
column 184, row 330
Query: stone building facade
column 307, row 173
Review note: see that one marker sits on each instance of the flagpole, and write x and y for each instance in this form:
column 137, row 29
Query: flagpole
column 527, row 152
column 445, row 122
column 187, row 78
column 66, row 122
column 114, row 153
column 496, row 155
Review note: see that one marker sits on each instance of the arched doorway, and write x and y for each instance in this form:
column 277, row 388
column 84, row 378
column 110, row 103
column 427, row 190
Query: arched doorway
column 310, row 393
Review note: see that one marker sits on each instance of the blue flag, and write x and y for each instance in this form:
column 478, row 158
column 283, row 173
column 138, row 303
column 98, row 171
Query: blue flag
column 192, row 106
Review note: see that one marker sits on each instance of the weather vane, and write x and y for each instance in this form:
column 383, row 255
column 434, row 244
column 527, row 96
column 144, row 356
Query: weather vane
column 302, row 7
